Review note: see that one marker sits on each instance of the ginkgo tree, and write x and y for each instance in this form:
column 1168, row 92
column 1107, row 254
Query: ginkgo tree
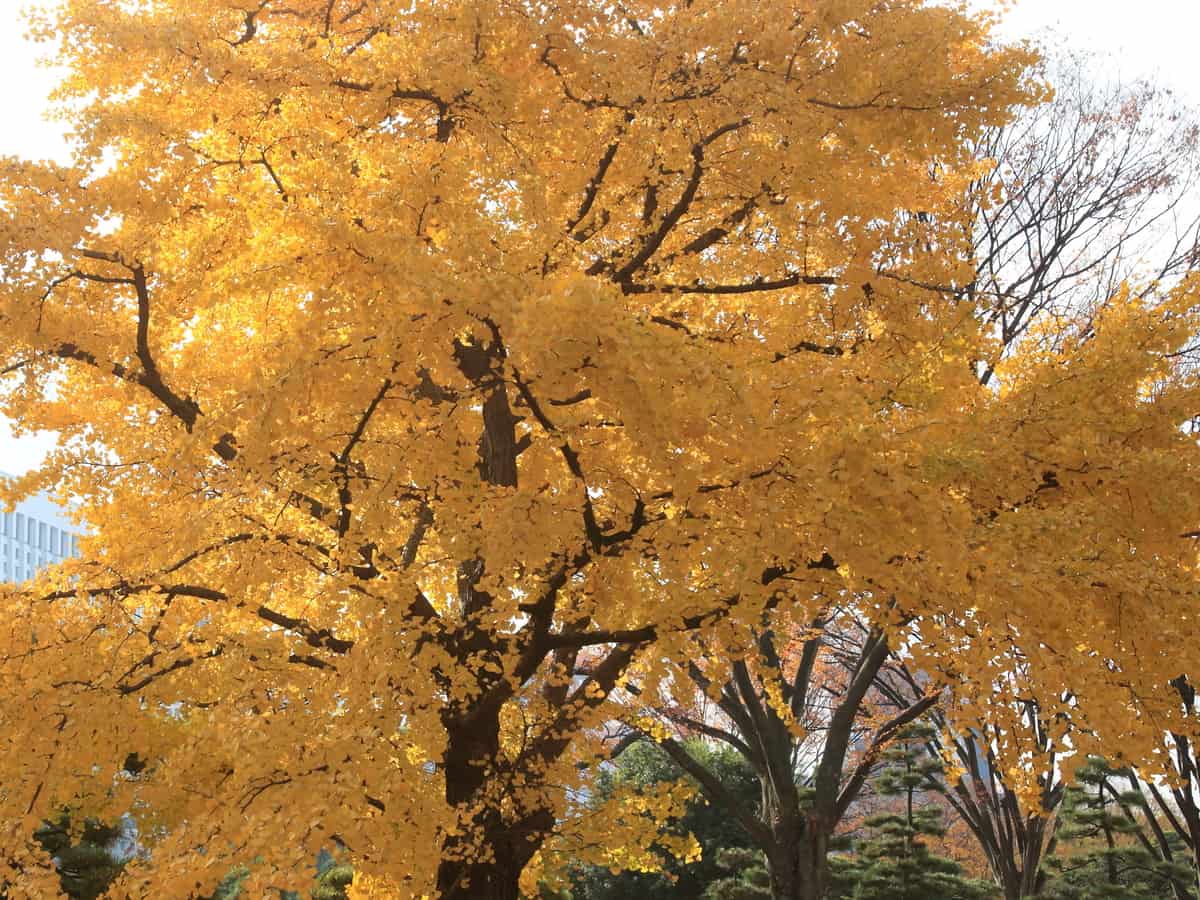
column 403, row 353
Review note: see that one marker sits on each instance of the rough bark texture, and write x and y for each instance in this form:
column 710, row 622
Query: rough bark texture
column 484, row 863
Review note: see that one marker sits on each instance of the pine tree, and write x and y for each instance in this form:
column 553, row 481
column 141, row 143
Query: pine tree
column 1115, row 861
column 747, row 879
column 333, row 877
column 894, row 863
column 85, row 860
column 230, row 887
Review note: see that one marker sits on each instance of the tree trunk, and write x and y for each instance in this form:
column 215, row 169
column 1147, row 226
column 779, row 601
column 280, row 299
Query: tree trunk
column 783, row 865
column 493, row 866
column 784, row 880
column 813, row 868
column 798, row 863
column 1018, row 887
column 797, row 857
column 479, row 881
column 484, row 863
column 1026, row 878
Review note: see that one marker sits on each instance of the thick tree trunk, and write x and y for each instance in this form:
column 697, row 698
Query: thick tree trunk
column 485, row 861
column 798, row 862
column 813, row 869
column 497, row 880
column 492, row 867
column 784, row 880
column 783, row 867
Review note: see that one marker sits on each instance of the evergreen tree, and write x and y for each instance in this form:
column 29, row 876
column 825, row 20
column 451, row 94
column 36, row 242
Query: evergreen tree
column 747, row 879
column 894, row 863
column 1115, row 858
column 333, row 877
column 85, row 861
column 230, row 887
column 645, row 764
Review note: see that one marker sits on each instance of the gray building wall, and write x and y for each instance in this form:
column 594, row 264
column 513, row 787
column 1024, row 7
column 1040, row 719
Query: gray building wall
column 34, row 535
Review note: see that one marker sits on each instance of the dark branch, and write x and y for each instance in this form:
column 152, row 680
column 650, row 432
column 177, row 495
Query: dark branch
column 758, row 285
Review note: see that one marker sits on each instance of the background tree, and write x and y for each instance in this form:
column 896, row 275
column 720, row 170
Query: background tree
column 794, row 702
column 895, row 862
column 644, row 765
column 333, row 878
column 1061, row 219
column 230, row 887
column 87, row 859
column 1170, row 783
column 1092, row 189
column 1011, row 814
column 1096, row 187
column 1114, row 859
column 748, row 879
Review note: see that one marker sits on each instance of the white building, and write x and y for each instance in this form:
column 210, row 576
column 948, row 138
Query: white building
column 34, row 535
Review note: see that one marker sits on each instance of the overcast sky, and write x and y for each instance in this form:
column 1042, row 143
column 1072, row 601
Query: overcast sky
column 1153, row 38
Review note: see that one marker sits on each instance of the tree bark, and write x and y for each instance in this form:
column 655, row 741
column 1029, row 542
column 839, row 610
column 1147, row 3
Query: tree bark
column 798, row 861
column 485, row 861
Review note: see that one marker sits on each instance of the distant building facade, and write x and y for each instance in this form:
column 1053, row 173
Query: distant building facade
column 34, row 535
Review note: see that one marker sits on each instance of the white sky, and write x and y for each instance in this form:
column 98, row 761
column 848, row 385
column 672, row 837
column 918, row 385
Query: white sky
column 1151, row 38
column 1154, row 38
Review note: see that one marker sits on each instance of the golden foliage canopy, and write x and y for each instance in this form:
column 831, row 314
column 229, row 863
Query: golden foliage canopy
column 420, row 368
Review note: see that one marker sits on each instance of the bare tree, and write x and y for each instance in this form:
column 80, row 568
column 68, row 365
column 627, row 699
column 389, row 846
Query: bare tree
column 1092, row 189
column 1015, row 829
column 797, row 701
